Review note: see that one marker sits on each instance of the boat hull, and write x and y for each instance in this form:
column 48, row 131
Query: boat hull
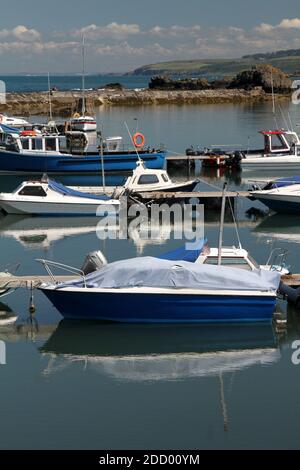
column 175, row 187
column 280, row 162
column 280, row 203
column 126, row 307
column 16, row 163
column 57, row 209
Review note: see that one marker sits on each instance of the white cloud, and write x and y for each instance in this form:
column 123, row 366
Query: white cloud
column 21, row 33
column 175, row 30
column 264, row 28
column 111, row 30
column 285, row 24
column 293, row 23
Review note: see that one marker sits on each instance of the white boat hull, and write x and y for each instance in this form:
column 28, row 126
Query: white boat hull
column 279, row 162
column 58, row 208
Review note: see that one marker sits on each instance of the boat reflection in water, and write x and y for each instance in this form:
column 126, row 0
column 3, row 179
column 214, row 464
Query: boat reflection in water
column 7, row 316
column 165, row 352
column 42, row 232
column 280, row 227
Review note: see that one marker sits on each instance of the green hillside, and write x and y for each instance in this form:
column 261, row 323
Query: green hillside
column 289, row 63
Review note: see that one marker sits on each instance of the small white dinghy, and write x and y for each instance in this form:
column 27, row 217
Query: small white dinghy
column 50, row 198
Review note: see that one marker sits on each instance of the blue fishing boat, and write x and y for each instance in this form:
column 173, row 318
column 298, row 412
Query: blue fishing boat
column 75, row 152
column 152, row 290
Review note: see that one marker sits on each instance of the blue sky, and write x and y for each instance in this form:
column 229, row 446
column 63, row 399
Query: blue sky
column 37, row 35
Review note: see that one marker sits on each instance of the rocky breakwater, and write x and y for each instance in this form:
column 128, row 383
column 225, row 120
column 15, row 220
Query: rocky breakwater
column 251, row 86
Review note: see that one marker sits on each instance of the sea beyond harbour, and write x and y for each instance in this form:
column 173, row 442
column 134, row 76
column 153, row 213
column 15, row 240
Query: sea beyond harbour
column 70, row 385
column 38, row 83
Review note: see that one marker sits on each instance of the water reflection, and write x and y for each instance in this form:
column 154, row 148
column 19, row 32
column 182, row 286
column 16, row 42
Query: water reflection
column 170, row 352
column 42, row 232
column 279, row 227
column 7, row 316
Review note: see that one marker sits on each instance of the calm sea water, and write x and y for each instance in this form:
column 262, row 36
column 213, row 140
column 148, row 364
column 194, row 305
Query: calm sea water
column 81, row 385
column 29, row 83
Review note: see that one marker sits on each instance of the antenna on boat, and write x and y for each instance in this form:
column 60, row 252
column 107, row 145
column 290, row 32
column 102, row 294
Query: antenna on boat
column 222, row 224
column 273, row 100
column 131, row 138
column 50, row 101
column 102, row 162
column 291, row 122
column 273, row 96
column 83, row 75
column 284, row 118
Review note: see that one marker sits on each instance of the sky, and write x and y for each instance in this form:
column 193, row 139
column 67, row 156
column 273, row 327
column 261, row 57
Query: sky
column 37, row 36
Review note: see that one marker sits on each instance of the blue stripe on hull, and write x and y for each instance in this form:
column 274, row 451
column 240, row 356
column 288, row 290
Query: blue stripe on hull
column 158, row 308
column 284, row 207
column 12, row 161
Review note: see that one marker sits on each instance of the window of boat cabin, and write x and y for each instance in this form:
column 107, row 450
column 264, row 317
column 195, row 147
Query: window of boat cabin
column 148, row 179
column 32, row 190
column 25, row 144
column 37, row 144
column 50, row 144
column 278, row 142
column 232, row 262
column 165, row 178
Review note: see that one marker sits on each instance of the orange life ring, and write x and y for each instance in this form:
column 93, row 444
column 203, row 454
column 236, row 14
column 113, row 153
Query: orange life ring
column 28, row 133
column 138, row 140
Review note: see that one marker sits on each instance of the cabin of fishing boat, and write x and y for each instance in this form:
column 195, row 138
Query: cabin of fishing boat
column 34, row 142
column 279, row 141
column 79, row 142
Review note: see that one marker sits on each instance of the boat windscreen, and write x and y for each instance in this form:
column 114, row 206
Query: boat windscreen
column 182, row 254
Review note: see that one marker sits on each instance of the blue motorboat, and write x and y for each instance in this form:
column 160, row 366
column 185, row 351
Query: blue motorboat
column 282, row 195
column 74, row 152
column 152, row 290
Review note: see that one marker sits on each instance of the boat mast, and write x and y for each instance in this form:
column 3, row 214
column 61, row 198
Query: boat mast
column 50, row 102
column 222, row 224
column 83, row 76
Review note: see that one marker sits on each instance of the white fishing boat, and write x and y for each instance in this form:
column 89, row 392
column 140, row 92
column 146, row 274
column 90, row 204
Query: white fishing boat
column 281, row 152
column 83, row 123
column 147, row 180
column 47, row 197
column 13, row 121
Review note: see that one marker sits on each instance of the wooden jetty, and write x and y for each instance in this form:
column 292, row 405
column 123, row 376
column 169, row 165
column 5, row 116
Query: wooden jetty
column 191, row 195
column 14, row 282
column 159, row 195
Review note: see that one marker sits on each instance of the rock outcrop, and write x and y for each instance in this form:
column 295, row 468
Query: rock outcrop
column 162, row 82
column 262, row 76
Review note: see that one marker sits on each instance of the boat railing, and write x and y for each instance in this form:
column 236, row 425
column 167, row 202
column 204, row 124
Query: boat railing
column 277, row 258
column 64, row 267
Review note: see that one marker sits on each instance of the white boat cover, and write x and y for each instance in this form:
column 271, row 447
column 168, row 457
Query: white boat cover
column 154, row 272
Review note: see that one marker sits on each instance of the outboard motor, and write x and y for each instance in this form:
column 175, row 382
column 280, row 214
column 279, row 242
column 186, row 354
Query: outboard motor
column 93, row 261
column 235, row 159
